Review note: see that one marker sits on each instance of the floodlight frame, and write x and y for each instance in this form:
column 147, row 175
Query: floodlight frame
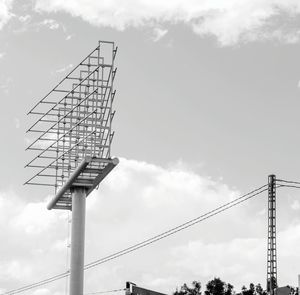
column 73, row 132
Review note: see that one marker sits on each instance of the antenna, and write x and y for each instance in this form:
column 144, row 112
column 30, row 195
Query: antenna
column 72, row 142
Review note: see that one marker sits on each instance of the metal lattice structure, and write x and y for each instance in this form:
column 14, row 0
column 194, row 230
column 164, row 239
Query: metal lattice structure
column 272, row 254
column 72, row 135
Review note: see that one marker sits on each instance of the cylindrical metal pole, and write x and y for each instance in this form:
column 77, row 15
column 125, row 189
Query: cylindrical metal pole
column 77, row 241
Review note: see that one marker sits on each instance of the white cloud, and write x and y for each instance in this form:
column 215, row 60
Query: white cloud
column 242, row 258
column 2, row 54
column 64, row 69
column 69, row 37
column 50, row 23
column 262, row 212
column 28, row 24
column 158, row 34
column 14, row 269
column 5, row 12
column 24, row 18
column 218, row 259
column 230, row 21
column 295, row 205
column 61, row 245
column 46, row 291
column 41, row 292
column 17, row 123
column 33, row 219
column 136, row 201
column 5, row 85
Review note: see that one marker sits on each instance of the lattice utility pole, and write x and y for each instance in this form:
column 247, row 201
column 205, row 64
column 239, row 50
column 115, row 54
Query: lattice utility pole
column 72, row 143
column 272, row 255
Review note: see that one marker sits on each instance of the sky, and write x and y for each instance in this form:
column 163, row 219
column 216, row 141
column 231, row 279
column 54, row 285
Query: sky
column 207, row 106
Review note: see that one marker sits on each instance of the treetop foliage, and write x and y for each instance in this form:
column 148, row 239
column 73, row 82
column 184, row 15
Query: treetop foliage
column 219, row 287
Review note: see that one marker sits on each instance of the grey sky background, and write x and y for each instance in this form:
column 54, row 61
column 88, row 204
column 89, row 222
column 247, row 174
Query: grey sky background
column 207, row 106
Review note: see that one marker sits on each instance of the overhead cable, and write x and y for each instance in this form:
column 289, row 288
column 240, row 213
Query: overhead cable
column 149, row 241
column 287, row 183
column 180, row 227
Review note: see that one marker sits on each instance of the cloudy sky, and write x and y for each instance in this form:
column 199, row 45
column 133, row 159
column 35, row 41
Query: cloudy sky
column 208, row 99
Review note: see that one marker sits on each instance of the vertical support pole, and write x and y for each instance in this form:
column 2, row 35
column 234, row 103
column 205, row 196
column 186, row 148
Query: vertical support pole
column 272, row 255
column 77, row 241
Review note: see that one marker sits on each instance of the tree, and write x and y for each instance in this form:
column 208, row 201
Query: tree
column 185, row 290
column 259, row 290
column 244, row 290
column 250, row 291
column 217, row 287
column 213, row 287
column 229, row 289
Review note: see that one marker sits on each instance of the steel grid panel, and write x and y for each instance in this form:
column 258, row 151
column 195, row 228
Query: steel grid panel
column 74, row 121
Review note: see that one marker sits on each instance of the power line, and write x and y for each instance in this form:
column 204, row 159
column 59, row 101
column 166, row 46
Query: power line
column 288, row 181
column 178, row 228
column 37, row 284
column 149, row 241
column 287, row 185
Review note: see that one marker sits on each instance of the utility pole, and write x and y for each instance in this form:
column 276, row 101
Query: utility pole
column 272, row 255
column 77, row 240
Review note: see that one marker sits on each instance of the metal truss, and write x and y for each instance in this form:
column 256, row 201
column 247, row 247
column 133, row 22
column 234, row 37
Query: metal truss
column 74, row 125
column 272, row 254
